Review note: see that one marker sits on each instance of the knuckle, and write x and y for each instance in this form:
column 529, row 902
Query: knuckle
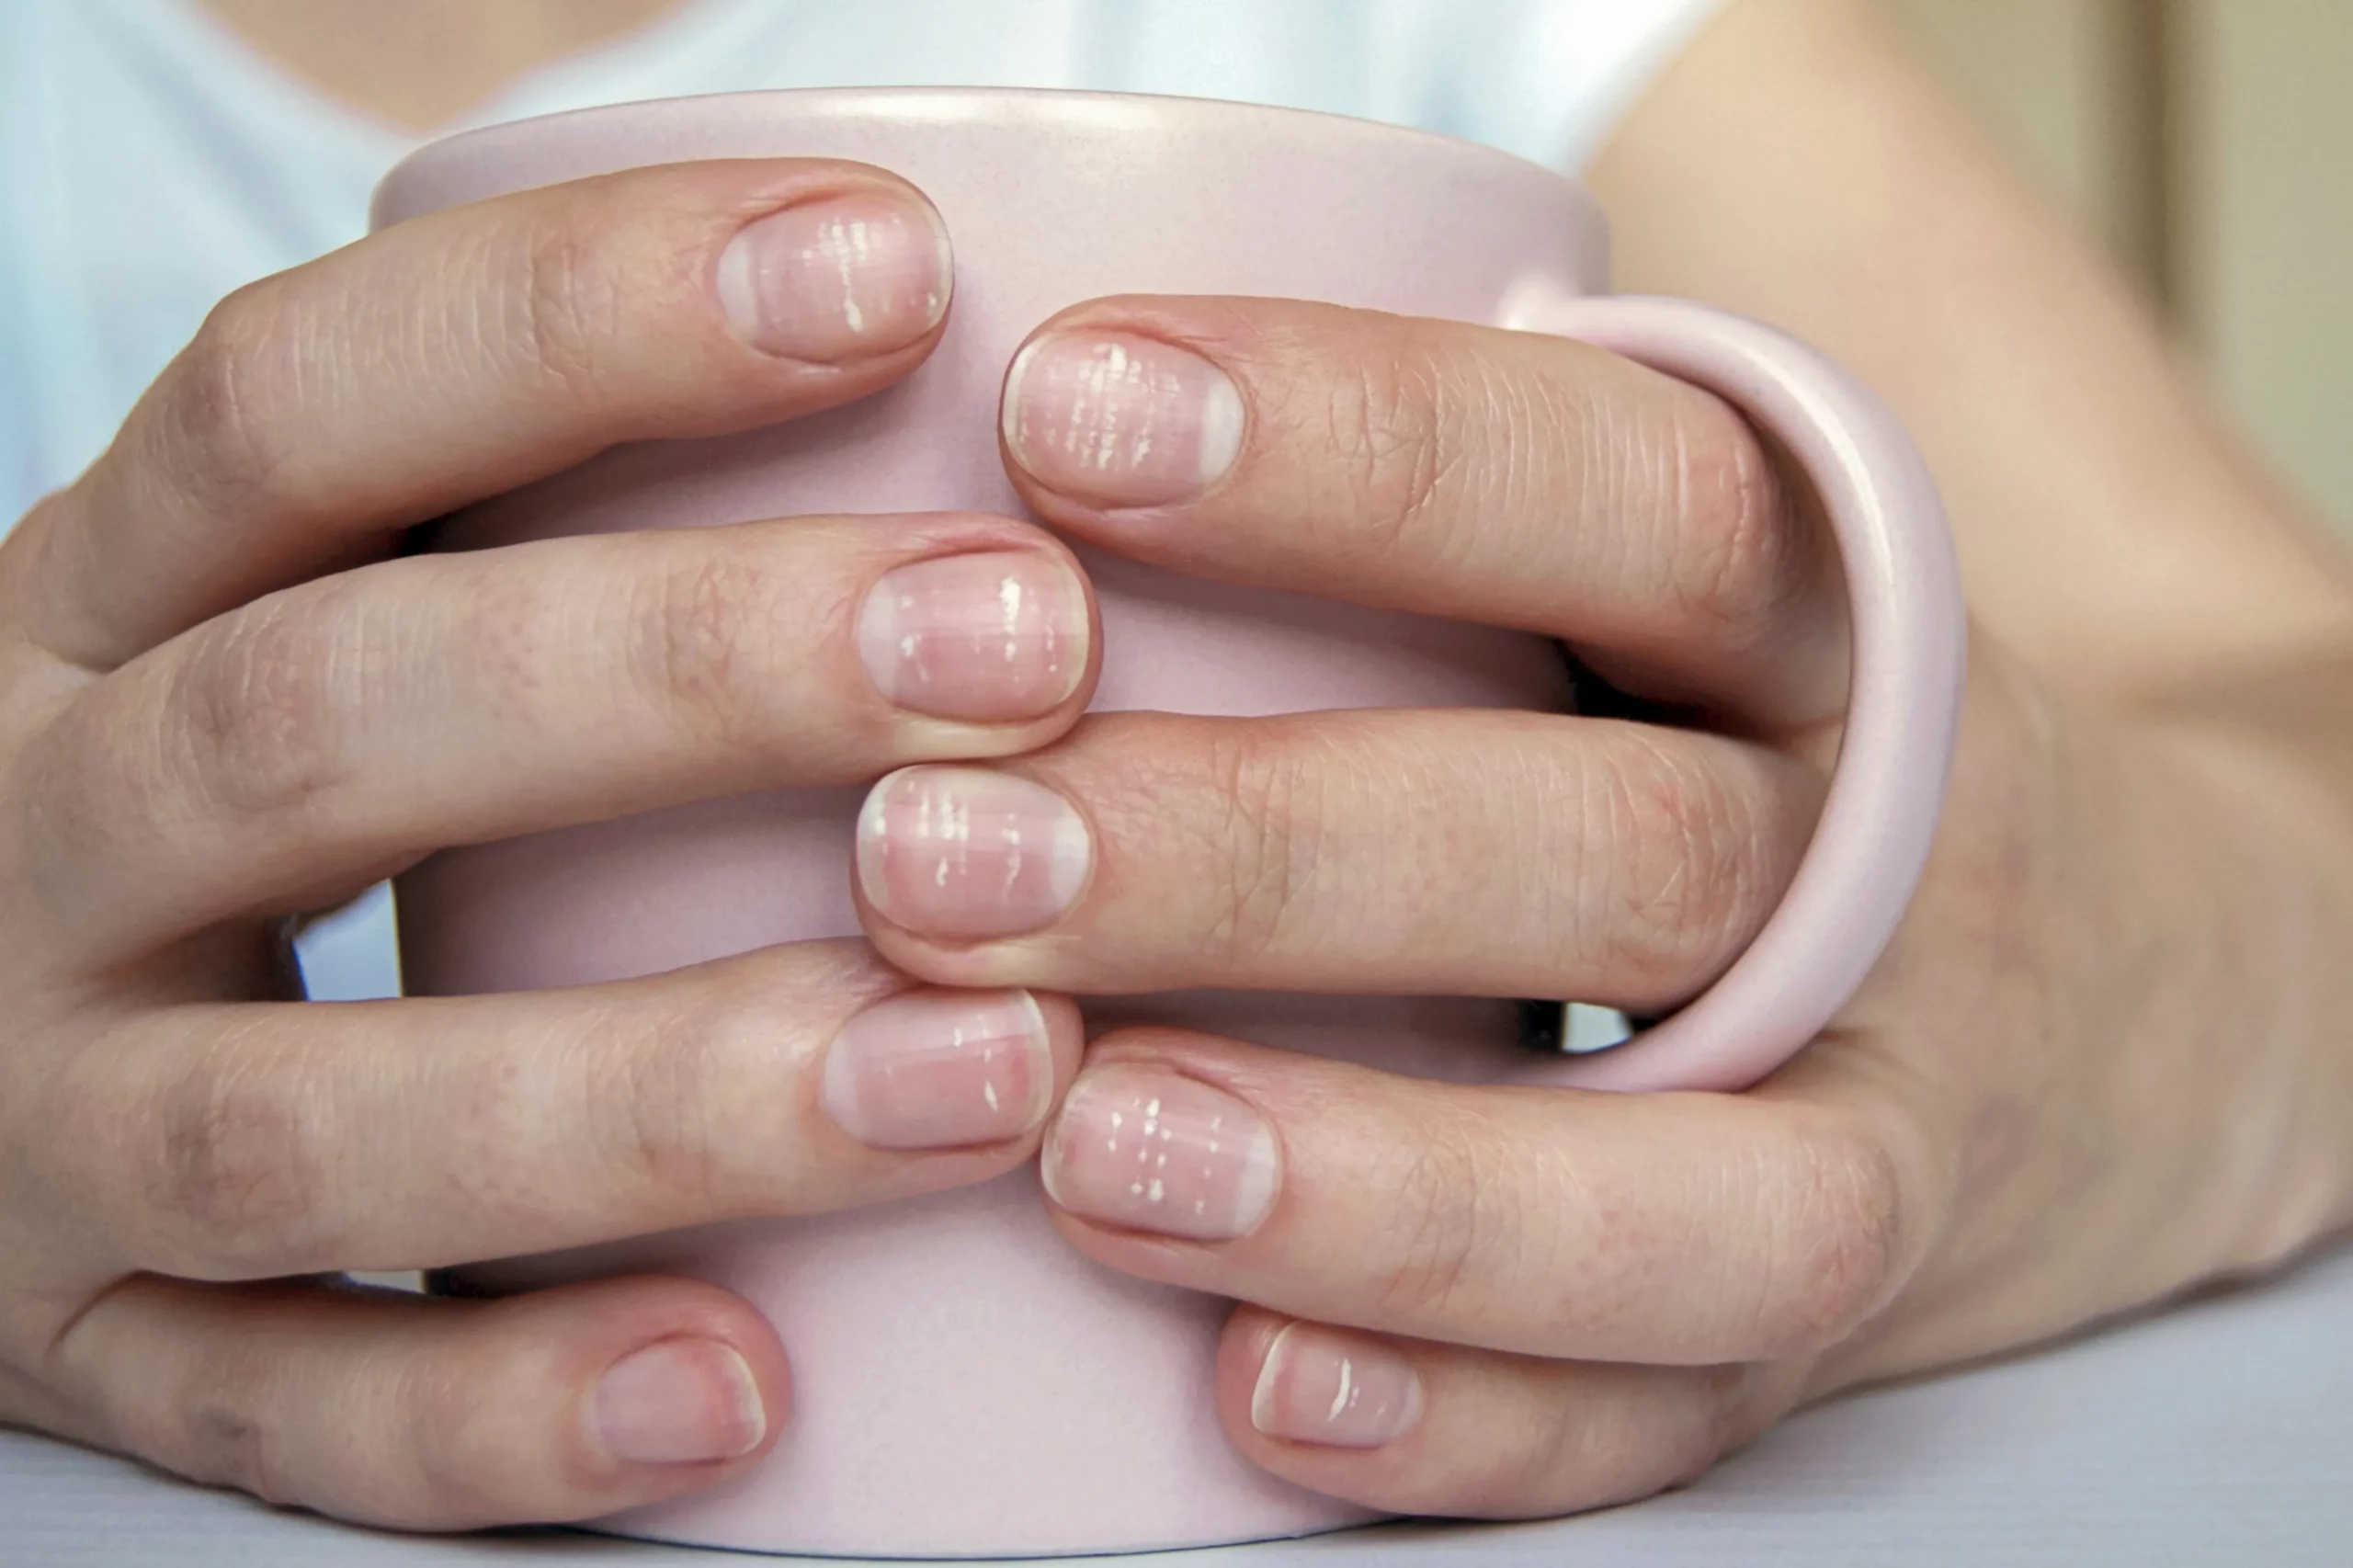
column 701, row 657
column 223, row 1444
column 441, row 1471
column 658, row 1117
column 1740, row 558
column 1842, row 1244
column 229, row 1168
column 1728, row 1416
column 215, row 405
column 1262, row 837
column 1387, row 425
column 1454, row 1211
column 1690, row 850
column 569, row 301
column 253, row 723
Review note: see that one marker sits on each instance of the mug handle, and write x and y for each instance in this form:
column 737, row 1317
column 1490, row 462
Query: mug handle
column 1908, row 637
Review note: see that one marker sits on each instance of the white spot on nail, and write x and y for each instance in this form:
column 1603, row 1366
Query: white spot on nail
column 850, row 257
column 1008, row 598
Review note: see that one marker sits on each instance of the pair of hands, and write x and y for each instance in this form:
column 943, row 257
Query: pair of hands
column 226, row 703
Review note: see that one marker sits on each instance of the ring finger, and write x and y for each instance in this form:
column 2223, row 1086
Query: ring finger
column 1668, row 1229
column 252, row 1141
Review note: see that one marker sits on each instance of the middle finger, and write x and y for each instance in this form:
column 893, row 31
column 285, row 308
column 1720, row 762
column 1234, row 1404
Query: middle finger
column 1668, row 1229
column 1394, row 852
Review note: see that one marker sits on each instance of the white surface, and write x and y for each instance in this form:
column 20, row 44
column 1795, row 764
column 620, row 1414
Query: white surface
column 2219, row 1432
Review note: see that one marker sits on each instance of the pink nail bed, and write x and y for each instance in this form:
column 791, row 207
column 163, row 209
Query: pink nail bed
column 831, row 279
column 1152, row 1150
column 686, row 1401
column 989, row 638
column 939, row 1069
column 1344, row 1390
column 1120, row 420
column 969, row 854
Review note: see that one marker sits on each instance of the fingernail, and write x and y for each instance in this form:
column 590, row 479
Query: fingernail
column 679, row 1401
column 1119, row 421
column 989, row 638
column 934, row 1070
column 1344, row 1390
column 838, row 279
column 1151, row 1149
column 970, row 854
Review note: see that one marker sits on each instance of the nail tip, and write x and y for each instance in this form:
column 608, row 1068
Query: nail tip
column 1041, row 1060
column 751, row 1410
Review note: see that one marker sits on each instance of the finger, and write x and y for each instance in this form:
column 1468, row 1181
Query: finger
column 1408, row 1426
column 319, row 412
column 299, row 748
column 1153, row 852
column 253, row 1141
column 424, row 1414
column 1672, row 1229
column 1499, row 477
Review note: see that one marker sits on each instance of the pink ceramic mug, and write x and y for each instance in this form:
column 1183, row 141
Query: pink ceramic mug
column 965, row 1384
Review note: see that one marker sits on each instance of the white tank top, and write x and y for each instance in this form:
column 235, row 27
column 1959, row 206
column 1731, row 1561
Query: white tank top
column 150, row 163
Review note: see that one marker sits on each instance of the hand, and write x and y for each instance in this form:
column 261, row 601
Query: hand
column 224, row 705
column 2082, row 1078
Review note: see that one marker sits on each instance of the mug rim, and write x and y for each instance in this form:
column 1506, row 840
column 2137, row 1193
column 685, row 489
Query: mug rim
column 948, row 105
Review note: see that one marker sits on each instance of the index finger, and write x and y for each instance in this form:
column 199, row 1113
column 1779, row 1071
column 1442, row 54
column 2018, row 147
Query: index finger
column 1507, row 478
column 319, row 412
